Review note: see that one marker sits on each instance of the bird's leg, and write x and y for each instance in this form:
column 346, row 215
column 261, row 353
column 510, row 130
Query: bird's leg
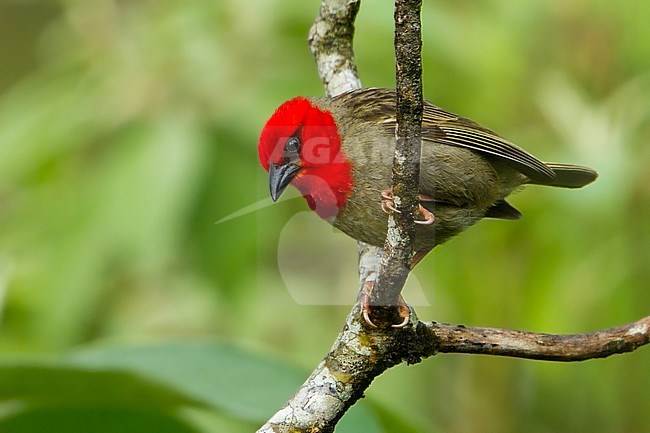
column 429, row 218
column 404, row 310
column 388, row 206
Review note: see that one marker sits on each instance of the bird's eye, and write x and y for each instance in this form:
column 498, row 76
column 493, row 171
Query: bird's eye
column 293, row 145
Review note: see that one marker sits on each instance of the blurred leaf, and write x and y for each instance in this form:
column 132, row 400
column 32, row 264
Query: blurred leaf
column 244, row 385
column 38, row 398
column 61, row 386
column 361, row 418
column 247, row 386
column 210, row 421
column 133, row 383
column 393, row 421
column 95, row 420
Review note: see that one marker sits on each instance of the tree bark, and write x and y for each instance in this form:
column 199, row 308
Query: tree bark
column 398, row 253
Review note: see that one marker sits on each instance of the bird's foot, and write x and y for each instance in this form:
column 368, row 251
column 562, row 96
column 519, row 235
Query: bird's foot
column 429, row 218
column 388, row 206
column 404, row 313
column 388, row 202
column 404, row 310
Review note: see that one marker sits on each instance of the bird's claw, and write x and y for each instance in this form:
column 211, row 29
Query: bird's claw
column 365, row 309
column 404, row 310
column 388, row 202
column 388, row 206
column 407, row 319
column 429, row 218
column 404, row 313
column 365, row 302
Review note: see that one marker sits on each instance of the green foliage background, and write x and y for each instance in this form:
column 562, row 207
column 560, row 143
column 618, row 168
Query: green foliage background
column 129, row 128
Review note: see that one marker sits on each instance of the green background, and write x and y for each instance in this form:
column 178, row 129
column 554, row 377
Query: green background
column 128, row 129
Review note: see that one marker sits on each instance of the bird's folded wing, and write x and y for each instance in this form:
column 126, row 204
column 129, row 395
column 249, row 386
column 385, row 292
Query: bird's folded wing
column 443, row 127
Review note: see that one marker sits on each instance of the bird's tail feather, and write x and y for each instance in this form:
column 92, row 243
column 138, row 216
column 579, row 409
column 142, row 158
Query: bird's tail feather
column 568, row 176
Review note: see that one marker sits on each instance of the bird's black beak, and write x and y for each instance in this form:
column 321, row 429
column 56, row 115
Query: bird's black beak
column 280, row 176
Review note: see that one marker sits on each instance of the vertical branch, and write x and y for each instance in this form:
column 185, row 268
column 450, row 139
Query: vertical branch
column 398, row 252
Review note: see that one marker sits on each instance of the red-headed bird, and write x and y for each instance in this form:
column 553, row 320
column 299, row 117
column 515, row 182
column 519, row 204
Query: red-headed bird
column 339, row 153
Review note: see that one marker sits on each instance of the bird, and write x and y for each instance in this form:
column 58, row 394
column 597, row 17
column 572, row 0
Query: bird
column 338, row 152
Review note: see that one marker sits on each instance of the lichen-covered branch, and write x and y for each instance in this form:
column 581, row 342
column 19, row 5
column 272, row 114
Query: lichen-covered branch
column 356, row 358
column 360, row 354
column 532, row 345
column 330, row 41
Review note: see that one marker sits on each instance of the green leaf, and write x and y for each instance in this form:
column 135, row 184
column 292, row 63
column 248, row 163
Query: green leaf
column 39, row 398
column 95, row 420
column 247, row 386
column 59, row 386
column 161, row 381
column 243, row 384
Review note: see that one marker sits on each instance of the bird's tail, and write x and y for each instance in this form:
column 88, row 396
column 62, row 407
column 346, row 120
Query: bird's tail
column 568, row 176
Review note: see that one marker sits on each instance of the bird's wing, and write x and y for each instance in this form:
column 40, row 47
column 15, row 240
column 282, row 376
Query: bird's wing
column 442, row 127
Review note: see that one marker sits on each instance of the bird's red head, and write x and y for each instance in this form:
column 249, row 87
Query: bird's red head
column 300, row 144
